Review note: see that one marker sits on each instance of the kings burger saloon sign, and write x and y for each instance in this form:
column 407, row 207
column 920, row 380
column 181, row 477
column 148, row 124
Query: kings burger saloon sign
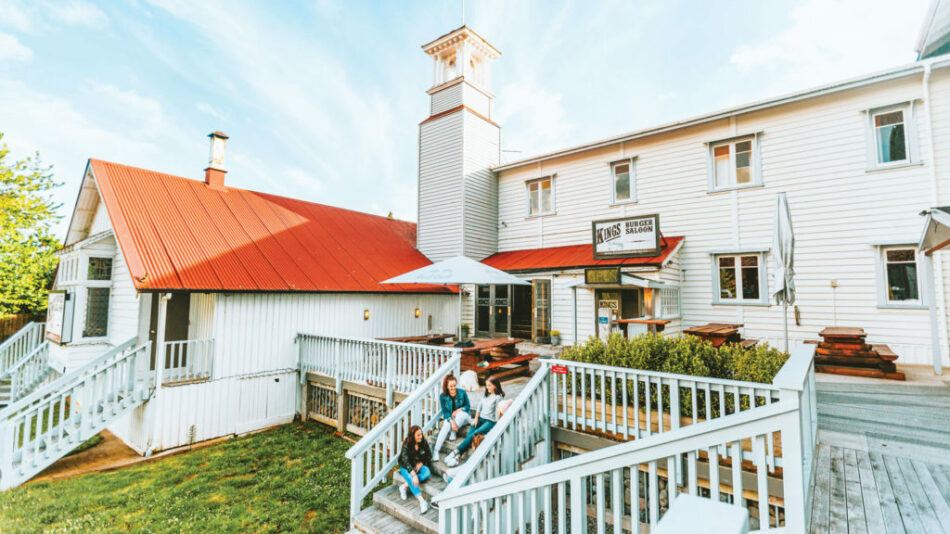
column 630, row 237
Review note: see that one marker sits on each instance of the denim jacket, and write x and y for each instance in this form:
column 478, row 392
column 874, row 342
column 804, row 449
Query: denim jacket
column 450, row 404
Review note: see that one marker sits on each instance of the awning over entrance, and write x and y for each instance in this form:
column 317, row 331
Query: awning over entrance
column 626, row 280
column 936, row 230
column 573, row 257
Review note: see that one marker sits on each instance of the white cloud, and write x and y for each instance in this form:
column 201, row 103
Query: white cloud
column 834, row 39
column 36, row 16
column 77, row 14
column 12, row 50
column 208, row 109
column 16, row 16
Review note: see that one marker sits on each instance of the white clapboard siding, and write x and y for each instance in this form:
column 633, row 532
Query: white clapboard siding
column 481, row 152
column 441, row 165
column 446, row 98
column 815, row 151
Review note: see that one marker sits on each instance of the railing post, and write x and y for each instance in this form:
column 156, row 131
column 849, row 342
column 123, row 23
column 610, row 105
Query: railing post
column 356, row 482
column 338, row 367
column 793, row 480
column 390, row 375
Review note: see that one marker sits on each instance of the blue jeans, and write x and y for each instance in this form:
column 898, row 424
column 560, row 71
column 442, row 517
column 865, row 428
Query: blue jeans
column 484, row 427
column 407, row 476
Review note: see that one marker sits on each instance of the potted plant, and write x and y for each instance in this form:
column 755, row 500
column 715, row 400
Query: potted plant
column 555, row 337
column 465, row 330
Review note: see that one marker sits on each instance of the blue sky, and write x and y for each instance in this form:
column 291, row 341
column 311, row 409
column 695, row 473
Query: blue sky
column 322, row 99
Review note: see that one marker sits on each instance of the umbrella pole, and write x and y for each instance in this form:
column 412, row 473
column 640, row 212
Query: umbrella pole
column 785, row 316
column 460, row 313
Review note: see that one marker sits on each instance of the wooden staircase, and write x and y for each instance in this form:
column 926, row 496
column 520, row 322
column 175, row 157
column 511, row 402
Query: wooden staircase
column 390, row 514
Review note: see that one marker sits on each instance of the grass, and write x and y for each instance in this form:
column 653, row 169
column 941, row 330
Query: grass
column 291, row 479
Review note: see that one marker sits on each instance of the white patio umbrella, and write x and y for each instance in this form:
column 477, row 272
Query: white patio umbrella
column 457, row 271
column 783, row 249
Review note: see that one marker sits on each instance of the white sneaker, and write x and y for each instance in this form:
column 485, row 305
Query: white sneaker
column 402, row 492
column 453, row 436
column 452, row 459
column 435, row 456
column 423, row 506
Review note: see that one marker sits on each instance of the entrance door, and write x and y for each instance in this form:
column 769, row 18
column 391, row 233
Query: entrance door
column 176, row 322
column 492, row 311
column 521, row 312
column 542, row 308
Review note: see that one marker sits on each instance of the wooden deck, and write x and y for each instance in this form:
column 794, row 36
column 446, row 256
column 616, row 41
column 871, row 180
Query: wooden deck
column 883, row 461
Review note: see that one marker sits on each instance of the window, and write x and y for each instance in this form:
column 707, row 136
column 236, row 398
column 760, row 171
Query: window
column 900, row 275
column 99, row 269
column 669, row 303
column 740, row 278
column 623, row 181
column 733, row 164
column 541, row 196
column 889, row 137
column 97, row 312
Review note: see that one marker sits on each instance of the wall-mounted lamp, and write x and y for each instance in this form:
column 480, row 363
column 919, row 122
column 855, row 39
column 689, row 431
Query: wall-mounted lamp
column 418, row 313
column 366, row 315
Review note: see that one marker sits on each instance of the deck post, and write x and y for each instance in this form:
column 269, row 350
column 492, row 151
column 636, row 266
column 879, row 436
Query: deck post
column 390, row 376
column 341, row 410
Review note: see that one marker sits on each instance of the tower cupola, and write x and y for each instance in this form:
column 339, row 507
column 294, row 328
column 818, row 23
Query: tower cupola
column 461, row 53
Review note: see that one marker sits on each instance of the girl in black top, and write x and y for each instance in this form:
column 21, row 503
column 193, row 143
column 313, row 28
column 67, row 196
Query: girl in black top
column 415, row 464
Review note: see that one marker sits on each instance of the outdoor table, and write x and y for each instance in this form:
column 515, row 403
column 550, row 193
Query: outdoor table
column 716, row 333
column 500, row 354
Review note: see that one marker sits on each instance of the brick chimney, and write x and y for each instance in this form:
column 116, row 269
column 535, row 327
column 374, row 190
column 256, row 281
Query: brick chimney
column 214, row 173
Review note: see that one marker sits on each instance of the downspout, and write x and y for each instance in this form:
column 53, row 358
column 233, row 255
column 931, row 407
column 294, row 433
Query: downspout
column 938, row 312
column 574, row 292
column 155, row 402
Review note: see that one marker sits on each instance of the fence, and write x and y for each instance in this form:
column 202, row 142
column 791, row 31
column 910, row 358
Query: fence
column 11, row 324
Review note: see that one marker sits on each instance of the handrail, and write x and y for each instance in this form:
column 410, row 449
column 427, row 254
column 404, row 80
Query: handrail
column 29, row 371
column 23, row 360
column 376, row 341
column 661, row 374
column 187, row 360
column 373, row 456
column 608, row 457
column 512, row 414
column 66, row 380
column 13, row 349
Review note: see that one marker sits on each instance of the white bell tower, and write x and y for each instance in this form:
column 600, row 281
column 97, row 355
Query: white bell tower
column 458, row 145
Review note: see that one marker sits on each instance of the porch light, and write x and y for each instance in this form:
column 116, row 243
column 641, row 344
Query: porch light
column 366, row 315
column 418, row 313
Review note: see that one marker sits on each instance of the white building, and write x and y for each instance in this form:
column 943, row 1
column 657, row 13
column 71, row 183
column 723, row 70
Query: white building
column 859, row 160
column 234, row 276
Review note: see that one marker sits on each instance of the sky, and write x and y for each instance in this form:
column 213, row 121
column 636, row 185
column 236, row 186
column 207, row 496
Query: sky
column 322, row 99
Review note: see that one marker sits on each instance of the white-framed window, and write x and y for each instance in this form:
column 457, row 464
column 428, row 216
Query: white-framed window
column 892, row 135
column 669, row 304
column 98, row 296
column 541, row 196
column 734, row 163
column 898, row 278
column 623, row 181
column 740, row 278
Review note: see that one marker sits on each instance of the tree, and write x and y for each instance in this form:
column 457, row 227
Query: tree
column 27, row 244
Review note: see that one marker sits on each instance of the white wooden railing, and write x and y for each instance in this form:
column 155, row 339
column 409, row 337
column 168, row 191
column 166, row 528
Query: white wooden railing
column 636, row 403
column 20, row 345
column 397, row 367
column 188, row 361
column 629, row 486
column 513, row 442
column 54, row 419
column 29, row 372
column 376, row 454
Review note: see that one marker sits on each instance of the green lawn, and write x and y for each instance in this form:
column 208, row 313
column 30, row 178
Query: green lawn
column 291, row 479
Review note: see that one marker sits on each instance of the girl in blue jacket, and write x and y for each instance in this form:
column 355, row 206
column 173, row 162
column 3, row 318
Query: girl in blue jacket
column 456, row 412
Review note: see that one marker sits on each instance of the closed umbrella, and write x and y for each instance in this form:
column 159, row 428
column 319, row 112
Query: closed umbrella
column 783, row 250
column 456, row 271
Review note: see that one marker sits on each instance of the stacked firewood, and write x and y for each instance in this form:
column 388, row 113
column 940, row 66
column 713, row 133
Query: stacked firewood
column 845, row 351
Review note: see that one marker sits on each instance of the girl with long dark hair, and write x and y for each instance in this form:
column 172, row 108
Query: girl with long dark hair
column 485, row 418
column 456, row 412
column 415, row 464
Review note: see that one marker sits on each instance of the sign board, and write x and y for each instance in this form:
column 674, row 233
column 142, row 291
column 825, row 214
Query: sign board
column 629, row 237
column 609, row 275
column 59, row 317
column 604, row 316
column 559, row 369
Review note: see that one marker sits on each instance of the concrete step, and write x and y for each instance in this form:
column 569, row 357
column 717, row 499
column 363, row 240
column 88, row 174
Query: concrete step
column 375, row 521
column 406, row 511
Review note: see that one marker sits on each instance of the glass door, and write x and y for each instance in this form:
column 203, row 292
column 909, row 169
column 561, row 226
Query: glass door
column 542, row 308
column 502, row 314
column 483, row 314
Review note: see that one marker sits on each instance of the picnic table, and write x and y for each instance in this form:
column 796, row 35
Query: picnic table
column 430, row 339
column 845, row 351
column 497, row 357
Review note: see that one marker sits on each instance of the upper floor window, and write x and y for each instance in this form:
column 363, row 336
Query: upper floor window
column 99, row 269
column 891, row 137
column 733, row 164
column 97, row 312
column 740, row 279
column 541, row 196
column 623, row 181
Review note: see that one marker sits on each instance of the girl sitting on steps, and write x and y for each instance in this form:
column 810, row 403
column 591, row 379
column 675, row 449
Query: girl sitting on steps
column 456, row 412
column 415, row 464
column 485, row 418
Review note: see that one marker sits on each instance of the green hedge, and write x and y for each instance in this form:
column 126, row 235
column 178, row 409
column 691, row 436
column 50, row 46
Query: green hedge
column 687, row 355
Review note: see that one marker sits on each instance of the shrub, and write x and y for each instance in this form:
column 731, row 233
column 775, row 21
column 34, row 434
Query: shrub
column 686, row 355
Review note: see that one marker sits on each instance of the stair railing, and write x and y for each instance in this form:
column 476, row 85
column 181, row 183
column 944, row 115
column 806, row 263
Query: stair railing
column 188, row 360
column 62, row 414
column 20, row 345
column 514, row 439
column 376, row 454
column 397, row 367
column 26, row 374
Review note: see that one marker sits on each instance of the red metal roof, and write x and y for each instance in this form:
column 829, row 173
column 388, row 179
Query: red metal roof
column 571, row 256
column 176, row 233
